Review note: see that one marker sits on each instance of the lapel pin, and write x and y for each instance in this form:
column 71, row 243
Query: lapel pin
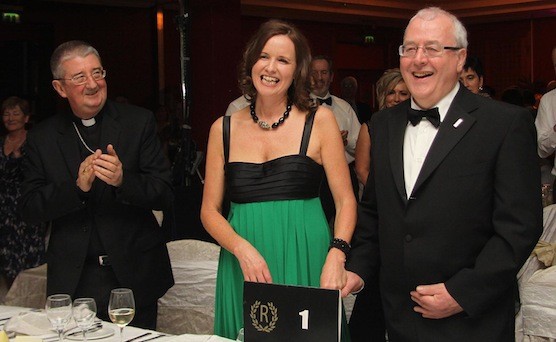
column 457, row 123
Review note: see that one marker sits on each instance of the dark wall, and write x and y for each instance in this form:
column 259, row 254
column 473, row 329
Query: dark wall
column 24, row 71
column 124, row 37
column 514, row 53
column 127, row 40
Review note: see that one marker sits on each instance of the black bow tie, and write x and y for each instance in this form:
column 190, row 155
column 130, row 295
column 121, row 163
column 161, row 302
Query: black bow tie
column 414, row 116
column 327, row 100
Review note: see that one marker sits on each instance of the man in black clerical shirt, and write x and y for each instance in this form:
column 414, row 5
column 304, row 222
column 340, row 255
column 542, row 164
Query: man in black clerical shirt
column 97, row 174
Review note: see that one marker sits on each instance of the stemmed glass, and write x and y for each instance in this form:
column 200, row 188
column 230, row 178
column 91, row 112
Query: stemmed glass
column 121, row 308
column 58, row 312
column 84, row 313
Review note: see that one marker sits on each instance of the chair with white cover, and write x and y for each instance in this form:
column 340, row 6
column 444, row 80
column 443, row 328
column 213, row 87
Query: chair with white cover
column 28, row 289
column 536, row 319
column 188, row 306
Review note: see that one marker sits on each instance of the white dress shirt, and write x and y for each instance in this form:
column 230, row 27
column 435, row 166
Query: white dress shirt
column 545, row 121
column 418, row 140
column 347, row 121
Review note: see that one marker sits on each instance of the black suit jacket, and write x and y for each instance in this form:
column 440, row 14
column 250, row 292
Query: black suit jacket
column 122, row 216
column 472, row 219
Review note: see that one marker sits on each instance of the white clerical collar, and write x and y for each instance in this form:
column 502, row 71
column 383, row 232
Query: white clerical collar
column 89, row 122
column 443, row 105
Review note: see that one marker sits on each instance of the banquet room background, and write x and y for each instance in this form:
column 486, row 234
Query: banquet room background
column 142, row 55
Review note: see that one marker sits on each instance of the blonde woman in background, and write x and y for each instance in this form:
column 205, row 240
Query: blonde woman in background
column 390, row 90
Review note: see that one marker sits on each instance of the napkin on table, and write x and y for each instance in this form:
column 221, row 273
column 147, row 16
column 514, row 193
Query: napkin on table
column 33, row 323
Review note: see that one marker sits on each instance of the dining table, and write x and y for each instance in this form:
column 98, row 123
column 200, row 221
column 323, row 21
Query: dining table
column 131, row 334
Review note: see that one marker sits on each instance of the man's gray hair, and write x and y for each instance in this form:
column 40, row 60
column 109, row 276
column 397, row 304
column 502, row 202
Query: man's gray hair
column 430, row 13
column 69, row 50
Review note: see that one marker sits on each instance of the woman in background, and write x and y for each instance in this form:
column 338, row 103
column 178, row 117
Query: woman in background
column 21, row 245
column 472, row 75
column 390, row 90
column 270, row 158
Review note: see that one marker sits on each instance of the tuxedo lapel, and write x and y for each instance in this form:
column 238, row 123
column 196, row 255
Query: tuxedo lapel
column 68, row 143
column 396, row 126
column 455, row 125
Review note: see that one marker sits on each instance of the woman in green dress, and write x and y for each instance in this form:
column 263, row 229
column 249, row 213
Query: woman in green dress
column 269, row 159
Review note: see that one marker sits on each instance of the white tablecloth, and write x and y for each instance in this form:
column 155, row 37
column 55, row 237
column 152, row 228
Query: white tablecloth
column 129, row 332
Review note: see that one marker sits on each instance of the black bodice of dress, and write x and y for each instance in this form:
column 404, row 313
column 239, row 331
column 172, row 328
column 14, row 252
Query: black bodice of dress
column 285, row 178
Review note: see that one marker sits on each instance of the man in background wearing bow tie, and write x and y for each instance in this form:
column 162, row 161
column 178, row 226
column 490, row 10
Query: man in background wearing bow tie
column 322, row 77
column 452, row 206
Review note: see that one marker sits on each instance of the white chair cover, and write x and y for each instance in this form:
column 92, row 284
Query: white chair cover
column 28, row 289
column 188, row 307
column 536, row 320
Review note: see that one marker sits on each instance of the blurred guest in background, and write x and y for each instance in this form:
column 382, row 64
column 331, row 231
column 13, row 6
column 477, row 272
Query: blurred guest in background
column 322, row 73
column 472, row 75
column 390, row 90
column 546, row 122
column 513, row 95
column 21, row 245
column 349, row 92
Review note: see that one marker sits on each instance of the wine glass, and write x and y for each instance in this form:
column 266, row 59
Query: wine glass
column 84, row 313
column 121, row 308
column 58, row 312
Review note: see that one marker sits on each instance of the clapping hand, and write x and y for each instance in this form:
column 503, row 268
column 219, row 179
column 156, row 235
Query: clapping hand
column 86, row 174
column 108, row 167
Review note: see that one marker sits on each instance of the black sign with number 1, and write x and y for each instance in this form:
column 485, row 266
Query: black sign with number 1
column 274, row 312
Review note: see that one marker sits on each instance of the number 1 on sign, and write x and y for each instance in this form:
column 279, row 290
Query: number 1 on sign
column 304, row 319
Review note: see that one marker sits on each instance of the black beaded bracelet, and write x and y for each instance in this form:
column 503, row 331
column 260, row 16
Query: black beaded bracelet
column 342, row 245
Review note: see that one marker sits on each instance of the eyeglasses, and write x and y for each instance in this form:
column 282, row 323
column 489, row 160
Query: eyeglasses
column 81, row 79
column 429, row 50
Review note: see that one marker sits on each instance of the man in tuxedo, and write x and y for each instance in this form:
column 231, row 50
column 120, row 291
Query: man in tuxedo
column 322, row 75
column 452, row 206
column 97, row 173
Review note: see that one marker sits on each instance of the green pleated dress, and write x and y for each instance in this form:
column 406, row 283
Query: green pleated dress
column 275, row 206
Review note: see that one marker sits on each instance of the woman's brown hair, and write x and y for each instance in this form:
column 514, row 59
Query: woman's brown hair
column 298, row 93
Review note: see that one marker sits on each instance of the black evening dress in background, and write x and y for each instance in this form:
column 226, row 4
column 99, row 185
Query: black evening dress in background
column 22, row 246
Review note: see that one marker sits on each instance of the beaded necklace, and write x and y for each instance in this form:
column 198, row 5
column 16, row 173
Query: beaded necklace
column 264, row 124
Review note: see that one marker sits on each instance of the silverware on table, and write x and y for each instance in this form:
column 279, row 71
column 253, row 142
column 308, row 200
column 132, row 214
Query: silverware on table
column 138, row 337
column 153, row 338
column 95, row 327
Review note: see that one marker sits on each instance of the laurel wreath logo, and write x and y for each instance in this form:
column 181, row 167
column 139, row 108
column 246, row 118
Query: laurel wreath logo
column 271, row 325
